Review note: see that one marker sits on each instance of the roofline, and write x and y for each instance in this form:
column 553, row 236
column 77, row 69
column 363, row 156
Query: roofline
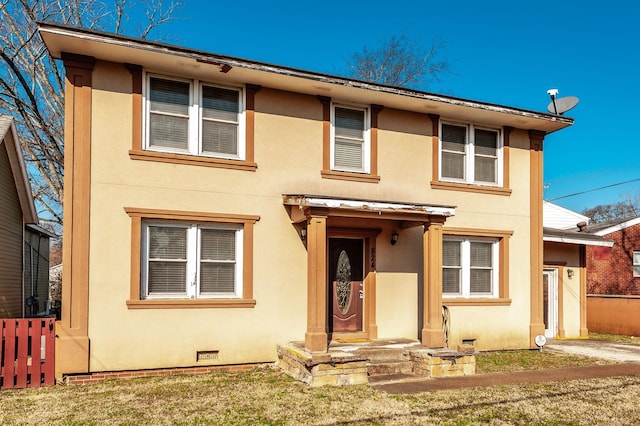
column 568, row 237
column 89, row 35
column 618, row 227
column 19, row 171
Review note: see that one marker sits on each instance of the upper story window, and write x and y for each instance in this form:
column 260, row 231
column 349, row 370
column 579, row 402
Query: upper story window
column 470, row 154
column 636, row 263
column 350, row 144
column 186, row 260
column 470, row 267
column 196, row 118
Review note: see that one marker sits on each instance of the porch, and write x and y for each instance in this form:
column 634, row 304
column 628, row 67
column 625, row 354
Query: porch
column 373, row 361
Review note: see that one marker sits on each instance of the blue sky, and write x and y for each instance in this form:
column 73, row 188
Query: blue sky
column 503, row 52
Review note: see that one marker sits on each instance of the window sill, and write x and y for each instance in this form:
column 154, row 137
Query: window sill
column 476, row 301
column 190, row 303
column 452, row 186
column 194, row 160
column 355, row 177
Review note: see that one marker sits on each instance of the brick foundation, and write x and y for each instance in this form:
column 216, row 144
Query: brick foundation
column 83, row 379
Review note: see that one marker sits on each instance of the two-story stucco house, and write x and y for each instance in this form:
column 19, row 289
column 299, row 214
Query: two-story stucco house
column 216, row 207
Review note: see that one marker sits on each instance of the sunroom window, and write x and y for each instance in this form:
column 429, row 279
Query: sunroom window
column 192, row 117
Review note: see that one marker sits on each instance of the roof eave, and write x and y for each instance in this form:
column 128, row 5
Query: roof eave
column 164, row 57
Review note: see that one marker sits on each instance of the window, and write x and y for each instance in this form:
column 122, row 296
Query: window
column 470, row 154
column 192, row 117
column 350, row 149
column 191, row 260
column 636, row 263
column 470, row 267
column 183, row 259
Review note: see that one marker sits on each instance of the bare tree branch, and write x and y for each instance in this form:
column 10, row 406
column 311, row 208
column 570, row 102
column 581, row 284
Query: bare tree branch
column 400, row 62
column 32, row 83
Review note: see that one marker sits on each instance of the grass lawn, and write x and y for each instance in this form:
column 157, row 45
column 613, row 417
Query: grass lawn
column 266, row 396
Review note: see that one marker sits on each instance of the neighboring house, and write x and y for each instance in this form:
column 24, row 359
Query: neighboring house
column 216, row 207
column 24, row 256
column 615, row 271
column 565, row 271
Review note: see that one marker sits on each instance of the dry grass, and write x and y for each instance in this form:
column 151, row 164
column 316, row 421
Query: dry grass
column 511, row 361
column 266, row 396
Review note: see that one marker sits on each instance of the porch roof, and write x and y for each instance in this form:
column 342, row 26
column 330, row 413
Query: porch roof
column 411, row 214
column 574, row 237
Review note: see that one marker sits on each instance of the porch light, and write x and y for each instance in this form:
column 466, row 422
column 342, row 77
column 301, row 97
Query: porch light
column 303, row 233
column 394, row 238
column 570, row 273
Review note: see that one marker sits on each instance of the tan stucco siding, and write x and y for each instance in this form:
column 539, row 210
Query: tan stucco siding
column 11, row 228
column 565, row 258
column 288, row 153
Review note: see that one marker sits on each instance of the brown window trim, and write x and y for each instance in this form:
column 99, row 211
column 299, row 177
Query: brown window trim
column 504, row 190
column 466, row 187
column 137, row 153
column 194, row 160
column 326, row 172
column 139, row 214
column 503, row 261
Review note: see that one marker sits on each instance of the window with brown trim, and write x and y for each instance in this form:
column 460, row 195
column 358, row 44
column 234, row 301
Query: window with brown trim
column 350, row 141
column 187, row 259
column 188, row 121
column 470, row 158
column 475, row 266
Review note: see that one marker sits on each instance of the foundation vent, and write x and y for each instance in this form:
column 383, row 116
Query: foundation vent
column 207, row 355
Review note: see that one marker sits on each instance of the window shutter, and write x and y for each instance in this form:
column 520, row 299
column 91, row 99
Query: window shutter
column 451, row 272
column 220, row 109
column 454, row 139
column 349, row 138
column 169, row 114
column 217, row 260
column 167, row 268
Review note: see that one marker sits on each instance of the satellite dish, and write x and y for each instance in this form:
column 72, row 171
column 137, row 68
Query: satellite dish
column 562, row 105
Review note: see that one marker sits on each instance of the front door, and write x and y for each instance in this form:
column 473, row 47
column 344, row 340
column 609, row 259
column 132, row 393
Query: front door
column 550, row 301
column 346, row 277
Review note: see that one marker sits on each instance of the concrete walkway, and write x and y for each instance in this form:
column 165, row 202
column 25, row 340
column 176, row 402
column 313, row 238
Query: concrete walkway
column 627, row 356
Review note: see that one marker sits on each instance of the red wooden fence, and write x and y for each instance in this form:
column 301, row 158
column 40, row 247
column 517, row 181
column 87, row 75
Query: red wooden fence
column 28, row 353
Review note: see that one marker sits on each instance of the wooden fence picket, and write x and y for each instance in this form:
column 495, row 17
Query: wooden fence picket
column 23, row 343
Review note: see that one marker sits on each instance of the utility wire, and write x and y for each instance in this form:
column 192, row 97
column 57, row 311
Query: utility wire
column 595, row 189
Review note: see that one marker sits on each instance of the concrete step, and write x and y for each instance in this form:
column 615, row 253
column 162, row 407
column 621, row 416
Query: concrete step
column 389, row 366
column 385, row 379
column 382, row 354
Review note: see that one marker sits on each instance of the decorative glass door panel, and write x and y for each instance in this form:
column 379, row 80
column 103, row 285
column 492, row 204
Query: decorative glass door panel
column 346, row 284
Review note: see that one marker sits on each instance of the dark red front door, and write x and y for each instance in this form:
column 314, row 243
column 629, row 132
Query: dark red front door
column 346, row 284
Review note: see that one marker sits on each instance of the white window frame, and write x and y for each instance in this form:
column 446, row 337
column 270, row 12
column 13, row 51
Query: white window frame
column 470, row 155
column 636, row 263
column 195, row 118
column 465, row 268
column 366, row 148
column 192, row 279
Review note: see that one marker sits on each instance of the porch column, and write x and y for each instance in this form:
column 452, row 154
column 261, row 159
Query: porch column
column 316, row 338
column 432, row 331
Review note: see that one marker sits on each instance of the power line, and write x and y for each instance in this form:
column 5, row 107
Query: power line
column 595, row 189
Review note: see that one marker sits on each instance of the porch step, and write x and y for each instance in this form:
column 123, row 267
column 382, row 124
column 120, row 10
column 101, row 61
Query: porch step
column 389, row 367
column 385, row 379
